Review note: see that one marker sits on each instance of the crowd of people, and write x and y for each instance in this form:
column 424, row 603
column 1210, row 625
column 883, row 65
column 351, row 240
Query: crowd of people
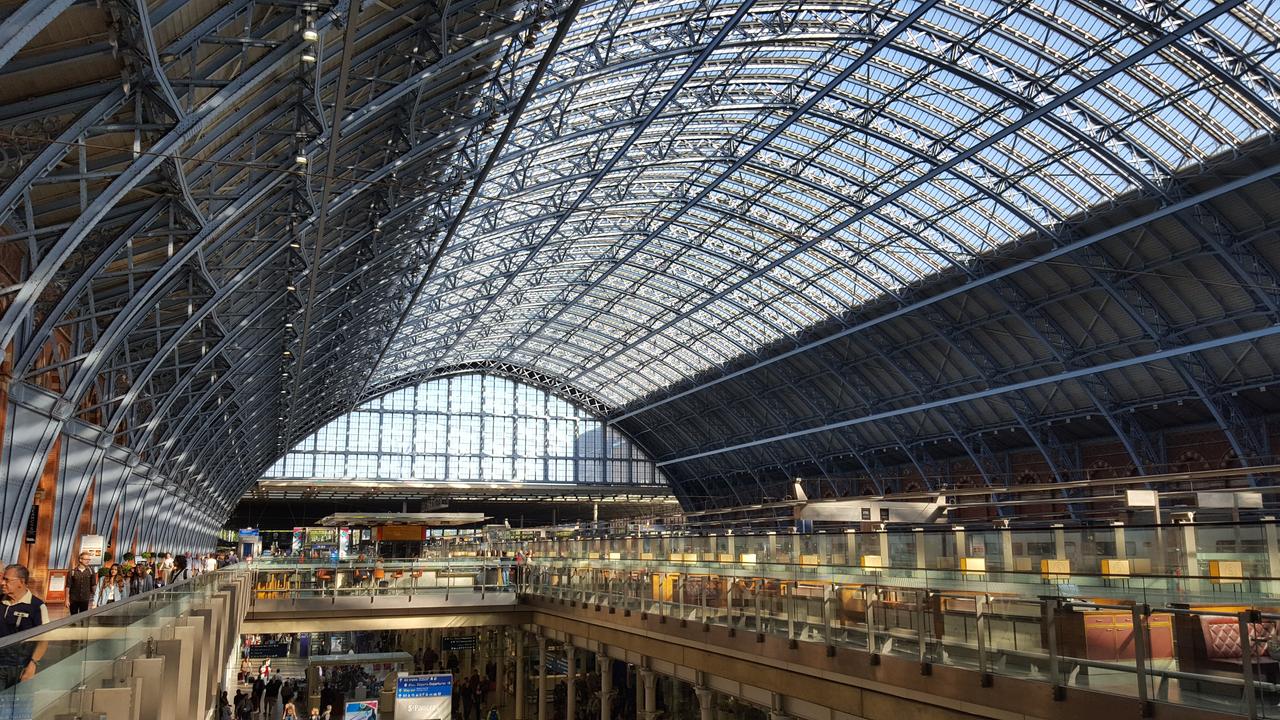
column 270, row 697
column 89, row 587
column 86, row 587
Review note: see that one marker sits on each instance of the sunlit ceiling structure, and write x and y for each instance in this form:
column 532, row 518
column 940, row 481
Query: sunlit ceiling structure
column 862, row 241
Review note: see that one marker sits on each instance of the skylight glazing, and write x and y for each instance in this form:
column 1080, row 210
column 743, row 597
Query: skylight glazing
column 625, row 257
column 469, row 428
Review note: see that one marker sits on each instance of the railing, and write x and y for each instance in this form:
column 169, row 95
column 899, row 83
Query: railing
column 441, row 580
column 82, row 652
column 1228, row 550
column 1144, row 637
column 1143, row 640
column 1141, row 637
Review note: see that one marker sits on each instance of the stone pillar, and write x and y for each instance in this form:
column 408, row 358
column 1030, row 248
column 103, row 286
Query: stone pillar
column 705, row 696
column 520, row 676
column 1190, row 565
column 542, row 677
column 648, row 685
column 606, row 684
column 1273, row 554
column 776, row 713
column 639, row 695
column 570, row 679
column 500, row 680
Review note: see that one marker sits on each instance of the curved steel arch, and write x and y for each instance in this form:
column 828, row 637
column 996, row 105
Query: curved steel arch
column 778, row 171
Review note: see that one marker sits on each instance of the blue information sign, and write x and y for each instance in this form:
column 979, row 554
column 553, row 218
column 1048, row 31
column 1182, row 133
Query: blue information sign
column 424, row 697
column 422, row 686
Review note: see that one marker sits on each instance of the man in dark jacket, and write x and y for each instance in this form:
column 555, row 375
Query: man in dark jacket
column 271, row 699
column 20, row 610
column 82, row 582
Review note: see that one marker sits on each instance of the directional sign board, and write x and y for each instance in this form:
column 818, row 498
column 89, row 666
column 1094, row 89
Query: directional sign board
column 424, row 697
column 458, row 643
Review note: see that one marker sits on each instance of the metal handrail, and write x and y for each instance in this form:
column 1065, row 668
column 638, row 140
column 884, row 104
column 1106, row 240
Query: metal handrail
column 114, row 607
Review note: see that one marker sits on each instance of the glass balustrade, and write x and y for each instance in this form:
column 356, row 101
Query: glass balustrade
column 82, row 652
column 1191, row 626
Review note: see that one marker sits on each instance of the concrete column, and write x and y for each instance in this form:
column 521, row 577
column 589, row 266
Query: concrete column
column 1269, row 531
column 520, row 676
column 649, row 687
column 922, row 553
column 884, row 547
column 1059, row 542
column 542, row 677
column 776, row 713
column 606, row 684
column 1121, row 552
column 705, row 696
column 500, row 680
column 1190, row 563
column 570, row 679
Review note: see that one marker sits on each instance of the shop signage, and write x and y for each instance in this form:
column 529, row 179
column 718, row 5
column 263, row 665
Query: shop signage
column 411, row 533
column 362, row 710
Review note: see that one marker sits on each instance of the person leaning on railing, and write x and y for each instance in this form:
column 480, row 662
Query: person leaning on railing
column 21, row 611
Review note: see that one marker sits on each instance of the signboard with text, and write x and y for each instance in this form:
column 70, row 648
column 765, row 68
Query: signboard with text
column 95, row 545
column 424, row 697
column 268, row 650
column 458, row 643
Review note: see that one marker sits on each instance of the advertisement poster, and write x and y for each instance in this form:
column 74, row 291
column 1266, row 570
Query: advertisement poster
column 424, row 697
column 94, row 545
column 362, row 710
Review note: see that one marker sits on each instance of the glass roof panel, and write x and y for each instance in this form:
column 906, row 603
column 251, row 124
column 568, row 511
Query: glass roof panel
column 625, row 256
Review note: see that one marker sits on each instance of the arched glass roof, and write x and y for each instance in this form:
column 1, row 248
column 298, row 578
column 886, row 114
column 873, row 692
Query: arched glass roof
column 695, row 180
column 224, row 232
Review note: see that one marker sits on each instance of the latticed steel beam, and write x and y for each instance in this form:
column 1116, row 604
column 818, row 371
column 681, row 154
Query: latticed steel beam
column 1145, row 359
